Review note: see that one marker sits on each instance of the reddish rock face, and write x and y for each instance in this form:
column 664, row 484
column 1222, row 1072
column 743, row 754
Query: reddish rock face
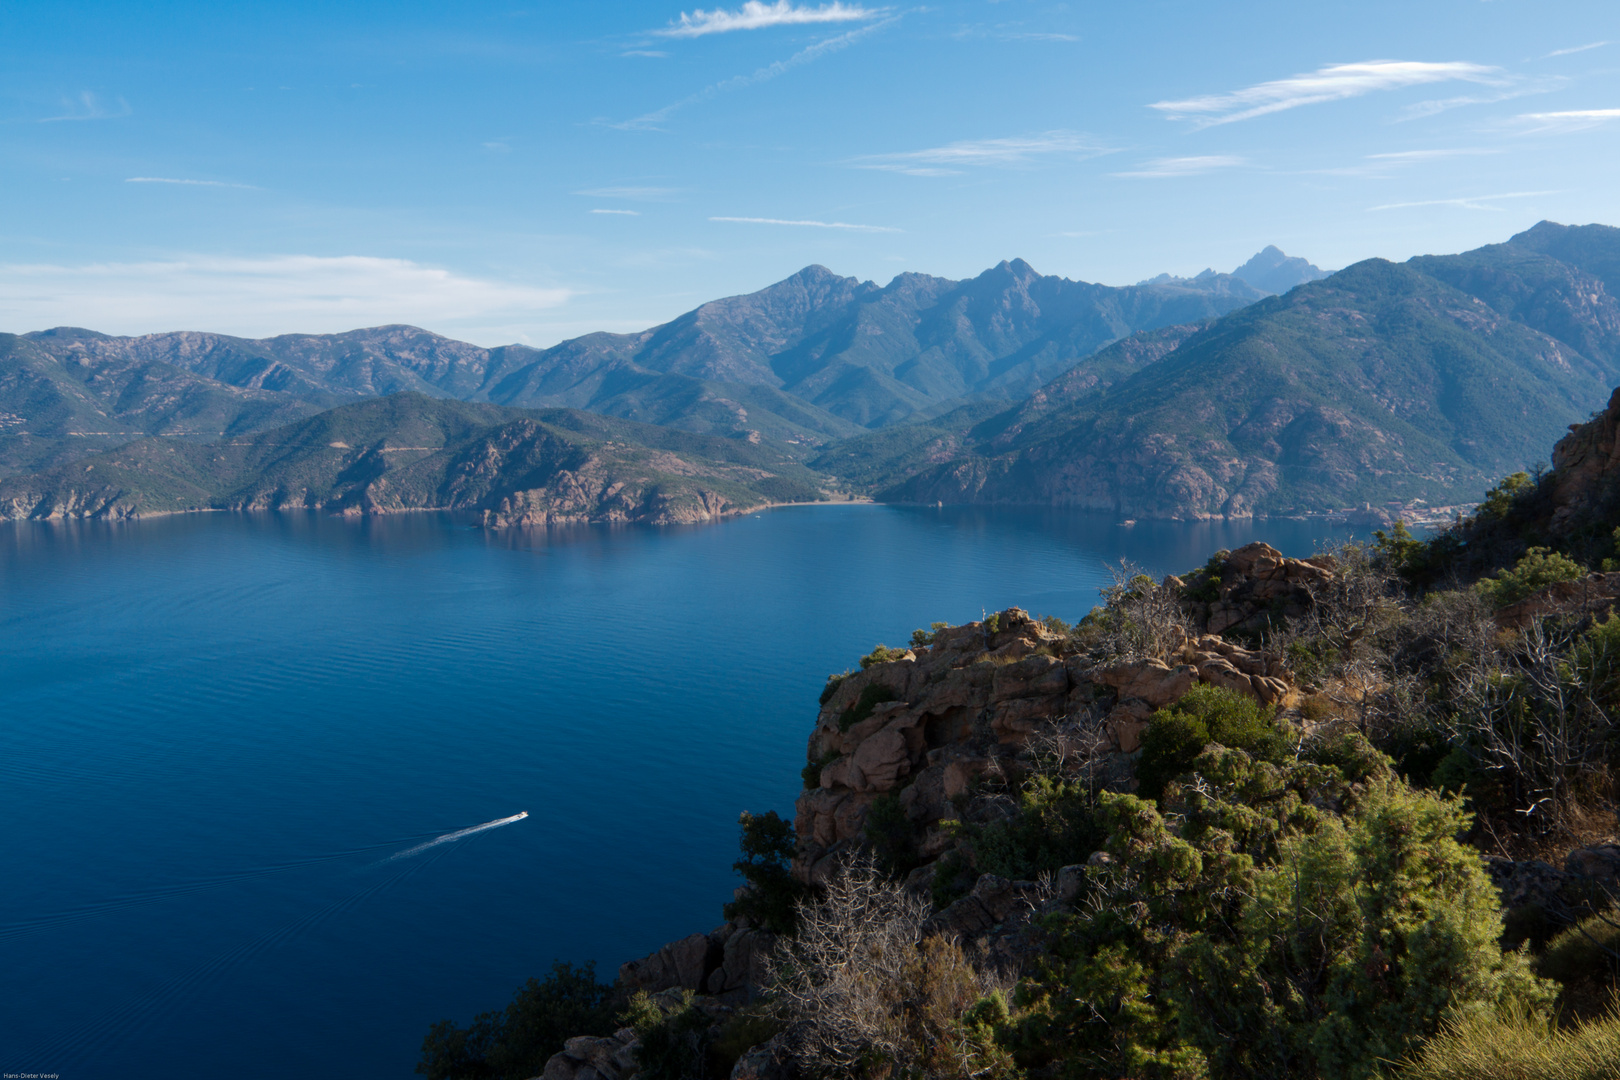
column 969, row 705
column 1585, row 464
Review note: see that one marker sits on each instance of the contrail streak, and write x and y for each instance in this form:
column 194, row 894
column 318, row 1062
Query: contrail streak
column 457, row 835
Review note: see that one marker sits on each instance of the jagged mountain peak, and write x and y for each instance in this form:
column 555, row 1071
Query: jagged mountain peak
column 1273, row 271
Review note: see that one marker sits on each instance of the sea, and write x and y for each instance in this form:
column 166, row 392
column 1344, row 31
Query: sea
column 279, row 791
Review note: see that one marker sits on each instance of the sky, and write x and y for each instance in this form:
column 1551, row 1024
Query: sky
column 509, row 172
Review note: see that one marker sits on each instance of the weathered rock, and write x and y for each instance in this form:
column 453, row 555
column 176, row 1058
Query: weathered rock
column 767, row 1061
column 992, row 901
column 1599, row 864
column 685, row 963
column 1257, row 583
column 1530, row 883
column 587, row 1057
column 1152, row 681
column 743, row 965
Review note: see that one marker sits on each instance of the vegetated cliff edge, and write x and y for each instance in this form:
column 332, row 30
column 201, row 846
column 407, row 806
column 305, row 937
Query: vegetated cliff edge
column 1199, row 786
column 411, row 452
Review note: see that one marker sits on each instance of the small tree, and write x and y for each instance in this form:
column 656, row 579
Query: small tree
column 773, row 893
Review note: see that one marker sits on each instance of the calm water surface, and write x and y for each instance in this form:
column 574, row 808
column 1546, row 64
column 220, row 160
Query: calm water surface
column 218, row 732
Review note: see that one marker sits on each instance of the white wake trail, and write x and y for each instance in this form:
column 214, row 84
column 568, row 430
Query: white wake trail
column 457, row 835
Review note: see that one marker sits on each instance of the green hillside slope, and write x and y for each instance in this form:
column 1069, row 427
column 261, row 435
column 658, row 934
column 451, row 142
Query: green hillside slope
column 409, row 452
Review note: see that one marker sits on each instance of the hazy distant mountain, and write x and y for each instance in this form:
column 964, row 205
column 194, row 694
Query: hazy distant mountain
column 408, row 451
column 1427, row 380
column 811, row 358
column 1272, row 272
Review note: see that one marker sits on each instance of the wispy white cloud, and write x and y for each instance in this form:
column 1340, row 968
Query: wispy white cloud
column 644, row 52
column 1010, row 32
column 1471, row 202
column 1429, row 155
column 1185, row 166
column 1385, row 165
column 263, row 296
column 632, row 194
column 650, row 121
column 1572, row 52
column 808, row 224
column 1332, row 83
column 950, row 159
column 626, row 213
column 187, row 183
column 1419, row 110
column 755, row 15
column 1567, row 120
column 88, row 106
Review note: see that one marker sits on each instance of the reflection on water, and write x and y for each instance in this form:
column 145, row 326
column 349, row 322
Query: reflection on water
column 215, row 728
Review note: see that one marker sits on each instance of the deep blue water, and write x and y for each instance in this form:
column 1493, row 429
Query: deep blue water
column 216, row 730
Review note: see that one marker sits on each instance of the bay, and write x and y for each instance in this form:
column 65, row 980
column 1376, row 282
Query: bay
column 223, row 735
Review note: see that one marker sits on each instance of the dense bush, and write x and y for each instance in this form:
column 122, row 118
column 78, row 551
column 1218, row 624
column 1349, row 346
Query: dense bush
column 515, row 1043
column 1176, row 735
column 1538, row 568
column 1056, row 825
column 1254, row 934
column 773, row 893
column 881, row 655
column 871, row 697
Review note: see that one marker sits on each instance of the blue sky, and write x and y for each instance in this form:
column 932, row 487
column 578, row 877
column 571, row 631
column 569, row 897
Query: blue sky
column 509, row 172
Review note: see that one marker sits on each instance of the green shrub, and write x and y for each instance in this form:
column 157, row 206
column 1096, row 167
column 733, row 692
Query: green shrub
column 1204, row 584
column 773, row 893
column 1588, row 952
column 833, row 682
column 1499, row 500
column 515, row 1044
column 675, row 1044
column 1175, row 736
column 881, row 655
column 1538, row 568
column 1397, row 548
column 871, row 697
column 1251, row 932
column 1056, row 825
column 921, row 639
column 1055, row 624
column 811, row 773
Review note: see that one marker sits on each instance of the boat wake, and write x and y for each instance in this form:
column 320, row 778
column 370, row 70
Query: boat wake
column 457, row 835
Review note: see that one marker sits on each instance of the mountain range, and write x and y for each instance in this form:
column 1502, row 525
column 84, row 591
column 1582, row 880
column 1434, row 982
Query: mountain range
column 811, row 358
column 1276, row 389
column 1381, row 383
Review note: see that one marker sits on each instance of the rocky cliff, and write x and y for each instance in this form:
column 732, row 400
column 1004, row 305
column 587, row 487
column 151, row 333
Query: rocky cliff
column 924, row 741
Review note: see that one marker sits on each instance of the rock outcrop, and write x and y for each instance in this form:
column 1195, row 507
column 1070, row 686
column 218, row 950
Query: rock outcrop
column 1256, row 585
column 924, row 728
column 728, row 962
column 1586, row 468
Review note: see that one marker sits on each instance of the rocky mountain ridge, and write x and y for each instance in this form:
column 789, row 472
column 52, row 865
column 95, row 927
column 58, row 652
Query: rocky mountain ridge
column 1381, row 383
